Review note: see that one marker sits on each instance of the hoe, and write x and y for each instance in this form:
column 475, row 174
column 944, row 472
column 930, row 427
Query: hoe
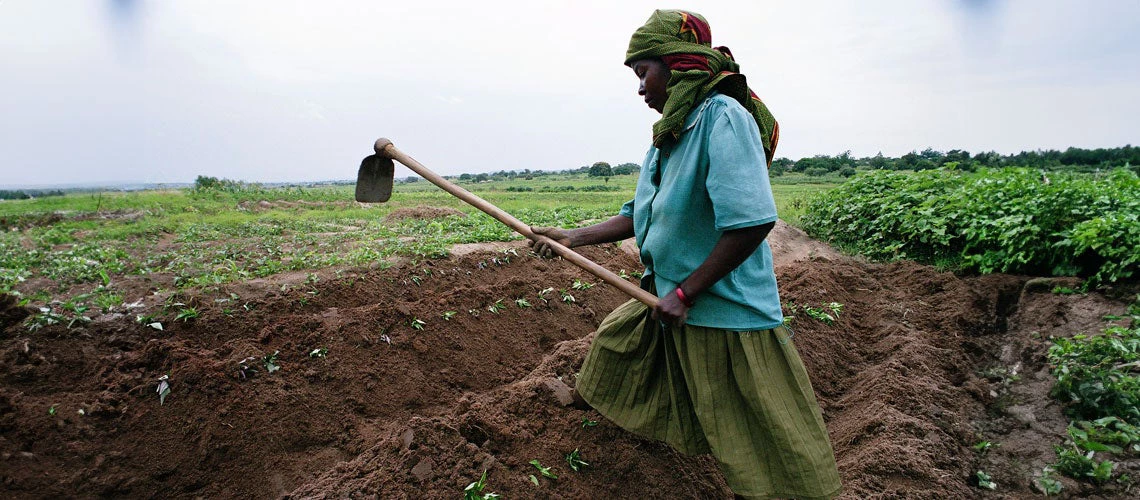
column 374, row 185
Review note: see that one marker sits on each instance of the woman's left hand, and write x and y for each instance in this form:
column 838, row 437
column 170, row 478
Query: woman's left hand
column 671, row 310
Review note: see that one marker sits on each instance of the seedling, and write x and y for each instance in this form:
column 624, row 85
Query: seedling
column 588, row 423
column 545, row 471
column 187, row 314
column 1049, row 485
column 574, row 458
column 51, row 411
column 983, row 447
column 163, row 389
column 819, row 314
column 521, row 302
column 566, row 297
column 496, row 307
column 582, row 285
column 533, row 479
column 416, row 280
column 985, row 481
column 270, row 362
column 542, row 294
column 418, row 324
column 474, row 491
column 447, row 315
column 319, row 352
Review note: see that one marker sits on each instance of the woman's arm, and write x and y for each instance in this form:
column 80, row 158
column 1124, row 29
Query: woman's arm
column 617, row 228
column 731, row 250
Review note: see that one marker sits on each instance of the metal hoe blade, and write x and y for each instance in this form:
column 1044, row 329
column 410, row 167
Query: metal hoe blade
column 374, row 179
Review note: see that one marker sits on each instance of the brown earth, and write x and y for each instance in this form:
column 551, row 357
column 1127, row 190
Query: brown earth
column 904, row 378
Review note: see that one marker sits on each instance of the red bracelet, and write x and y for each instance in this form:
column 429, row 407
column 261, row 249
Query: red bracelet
column 684, row 300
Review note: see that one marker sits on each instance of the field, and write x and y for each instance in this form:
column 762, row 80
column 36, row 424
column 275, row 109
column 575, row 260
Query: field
column 291, row 342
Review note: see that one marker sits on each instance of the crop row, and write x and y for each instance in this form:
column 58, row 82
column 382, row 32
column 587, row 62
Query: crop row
column 1013, row 220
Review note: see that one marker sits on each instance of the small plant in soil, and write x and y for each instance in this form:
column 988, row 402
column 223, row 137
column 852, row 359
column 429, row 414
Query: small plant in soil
column 496, row 307
column 474, row 491
column 545, row 471
column 447, row 315
column 566, row 297
column 588, row 423
column 51, row 411
column 149, row 321
column 163, row 389
column 187, row 314
column 1048, row 483
column 319, row 352
column 582, row 285
column 418, row 324
column 270, row 362
column 983, row 447
column 1077, row 465
column 574, row 458
column 985, row 481
column 522, row 303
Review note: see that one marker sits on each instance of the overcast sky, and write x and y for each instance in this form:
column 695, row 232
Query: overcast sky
column 107, row 91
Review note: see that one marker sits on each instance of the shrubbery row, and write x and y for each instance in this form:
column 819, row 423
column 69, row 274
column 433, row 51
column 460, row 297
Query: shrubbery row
column 1013, row 220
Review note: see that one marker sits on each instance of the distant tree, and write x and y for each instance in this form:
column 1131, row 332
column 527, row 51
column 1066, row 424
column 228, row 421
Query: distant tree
column 847, row 171
column 412, row 178
column 465, row 177
column 878, row 162
column 626, row 168
column 601, row 169
column 482, row 178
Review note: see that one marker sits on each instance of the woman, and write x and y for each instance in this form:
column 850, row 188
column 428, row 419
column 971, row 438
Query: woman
column 712, row 368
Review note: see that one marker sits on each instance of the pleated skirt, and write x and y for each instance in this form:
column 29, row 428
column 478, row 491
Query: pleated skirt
column 744, row 397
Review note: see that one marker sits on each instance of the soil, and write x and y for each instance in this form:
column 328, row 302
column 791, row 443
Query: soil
column 904, row 377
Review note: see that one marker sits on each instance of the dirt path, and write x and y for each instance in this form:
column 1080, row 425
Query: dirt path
column 402, row 412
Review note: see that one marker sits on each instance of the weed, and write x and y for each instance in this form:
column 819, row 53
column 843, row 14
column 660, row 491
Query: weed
column 545, row 471
column 474, row 491
column 574, row 458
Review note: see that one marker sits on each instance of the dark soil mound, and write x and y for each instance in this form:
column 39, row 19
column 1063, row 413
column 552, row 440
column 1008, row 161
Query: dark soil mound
column 436, row 371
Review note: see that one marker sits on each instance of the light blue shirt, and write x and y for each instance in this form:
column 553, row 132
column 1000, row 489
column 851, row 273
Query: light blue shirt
column 714, row 179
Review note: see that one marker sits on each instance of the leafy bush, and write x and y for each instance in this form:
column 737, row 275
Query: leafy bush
column 1096, row 376
column 1010, row 220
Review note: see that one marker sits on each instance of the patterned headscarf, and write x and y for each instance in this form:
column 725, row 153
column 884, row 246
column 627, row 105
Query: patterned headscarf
column 684, row 41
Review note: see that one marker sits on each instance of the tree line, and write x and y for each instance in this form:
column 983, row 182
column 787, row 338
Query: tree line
column 27, row 194
column 1074, row 159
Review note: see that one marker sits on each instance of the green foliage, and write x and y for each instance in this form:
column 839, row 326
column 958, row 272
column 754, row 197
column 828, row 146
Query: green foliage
column 1081, row 465
column 574, row 458
column 1097, row 376
column 1009, row 220
column 474, row 491
column 545, row 471
column 985, row 481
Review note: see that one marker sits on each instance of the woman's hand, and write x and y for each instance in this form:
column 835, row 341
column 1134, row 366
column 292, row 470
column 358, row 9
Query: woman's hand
column 541, row 244
column 671, row 310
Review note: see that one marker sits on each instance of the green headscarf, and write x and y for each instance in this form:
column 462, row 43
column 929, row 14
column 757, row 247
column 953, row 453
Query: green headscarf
column 684, row 41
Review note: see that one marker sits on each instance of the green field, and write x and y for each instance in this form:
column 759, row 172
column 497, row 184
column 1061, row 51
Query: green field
column 73, row 249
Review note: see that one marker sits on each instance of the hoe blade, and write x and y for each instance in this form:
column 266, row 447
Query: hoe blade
column 374, row 179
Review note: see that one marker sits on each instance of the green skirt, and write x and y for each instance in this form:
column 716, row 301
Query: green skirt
column 744, row 397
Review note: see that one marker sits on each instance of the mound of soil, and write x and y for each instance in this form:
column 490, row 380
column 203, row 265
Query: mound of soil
column 422, row 212
column 436, row 371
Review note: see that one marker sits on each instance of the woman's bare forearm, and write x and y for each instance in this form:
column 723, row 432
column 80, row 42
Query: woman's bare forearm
column 617, row 228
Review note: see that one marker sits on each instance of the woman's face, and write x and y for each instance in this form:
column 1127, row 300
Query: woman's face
column 654, row 76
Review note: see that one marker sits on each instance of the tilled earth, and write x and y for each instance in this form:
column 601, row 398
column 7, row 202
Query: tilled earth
column 409, row 404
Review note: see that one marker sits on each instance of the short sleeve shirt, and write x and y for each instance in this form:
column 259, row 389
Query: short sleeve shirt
column 714, row 179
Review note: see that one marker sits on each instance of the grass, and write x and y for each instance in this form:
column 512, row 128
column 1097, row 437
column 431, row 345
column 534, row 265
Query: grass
column 202, row 239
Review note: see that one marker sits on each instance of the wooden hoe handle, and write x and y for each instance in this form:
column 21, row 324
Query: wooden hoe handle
column 384, row 147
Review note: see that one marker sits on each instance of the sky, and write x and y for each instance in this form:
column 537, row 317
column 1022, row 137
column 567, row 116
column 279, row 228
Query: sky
column 150, row 91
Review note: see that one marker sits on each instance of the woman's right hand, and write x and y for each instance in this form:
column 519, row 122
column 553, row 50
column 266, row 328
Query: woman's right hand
column 543, row 235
